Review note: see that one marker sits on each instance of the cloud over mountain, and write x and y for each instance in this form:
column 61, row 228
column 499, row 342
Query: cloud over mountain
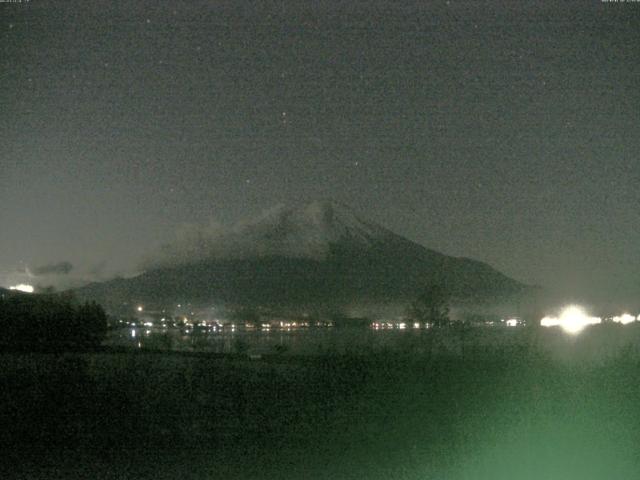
column 60, row 268
column 294, row 232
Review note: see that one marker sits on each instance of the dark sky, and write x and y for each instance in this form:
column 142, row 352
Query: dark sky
column 504, row 131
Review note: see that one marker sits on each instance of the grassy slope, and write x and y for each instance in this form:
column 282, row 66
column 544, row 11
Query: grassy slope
column 491, row 414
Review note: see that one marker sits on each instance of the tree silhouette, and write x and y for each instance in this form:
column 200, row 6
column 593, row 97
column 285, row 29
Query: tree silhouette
column 35, row 322
column 431, row 306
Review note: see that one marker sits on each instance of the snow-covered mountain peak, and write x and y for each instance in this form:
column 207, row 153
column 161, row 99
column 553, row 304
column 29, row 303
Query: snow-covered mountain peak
column 302, row 231
column 318, row 222
column 341, row 223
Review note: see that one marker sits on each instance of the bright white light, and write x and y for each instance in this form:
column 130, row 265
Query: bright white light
column 572, row 320
column 512, row 322
column 140, row 308
column 550, row 322
column 624, row 319
column 23, row 288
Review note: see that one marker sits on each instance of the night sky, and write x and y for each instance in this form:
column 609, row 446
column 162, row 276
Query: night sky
column 502, row 131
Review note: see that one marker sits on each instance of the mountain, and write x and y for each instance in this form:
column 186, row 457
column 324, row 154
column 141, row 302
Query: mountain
column 316, row 254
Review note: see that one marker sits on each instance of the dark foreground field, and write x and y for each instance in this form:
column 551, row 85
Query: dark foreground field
column 488, row 414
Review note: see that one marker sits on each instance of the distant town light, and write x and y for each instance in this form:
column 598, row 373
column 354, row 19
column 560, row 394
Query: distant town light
column 624, row 319
column 140, row 308
column 22, row 287
column 512, row 322
column 550, row 322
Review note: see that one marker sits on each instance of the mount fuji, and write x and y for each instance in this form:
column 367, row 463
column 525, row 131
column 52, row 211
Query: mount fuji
column 318, row 254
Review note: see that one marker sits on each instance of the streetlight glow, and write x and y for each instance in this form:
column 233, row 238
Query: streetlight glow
column 572, row 320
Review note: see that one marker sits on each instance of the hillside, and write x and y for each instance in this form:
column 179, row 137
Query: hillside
column 321, row 253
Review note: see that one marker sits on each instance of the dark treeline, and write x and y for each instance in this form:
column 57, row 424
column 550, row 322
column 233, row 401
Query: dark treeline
column 50, row 322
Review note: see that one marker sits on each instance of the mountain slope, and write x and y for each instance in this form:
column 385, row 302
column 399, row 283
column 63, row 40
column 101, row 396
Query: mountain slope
column 317, row 254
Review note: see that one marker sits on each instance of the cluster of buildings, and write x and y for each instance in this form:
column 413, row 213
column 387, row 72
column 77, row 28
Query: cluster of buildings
column 214, row 319
column 187, row 319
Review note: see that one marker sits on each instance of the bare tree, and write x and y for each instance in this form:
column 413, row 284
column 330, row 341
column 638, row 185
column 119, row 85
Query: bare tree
column 431, row 306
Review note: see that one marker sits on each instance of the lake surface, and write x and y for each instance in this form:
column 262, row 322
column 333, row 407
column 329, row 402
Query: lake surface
column 593, row 344
column 302, row 341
